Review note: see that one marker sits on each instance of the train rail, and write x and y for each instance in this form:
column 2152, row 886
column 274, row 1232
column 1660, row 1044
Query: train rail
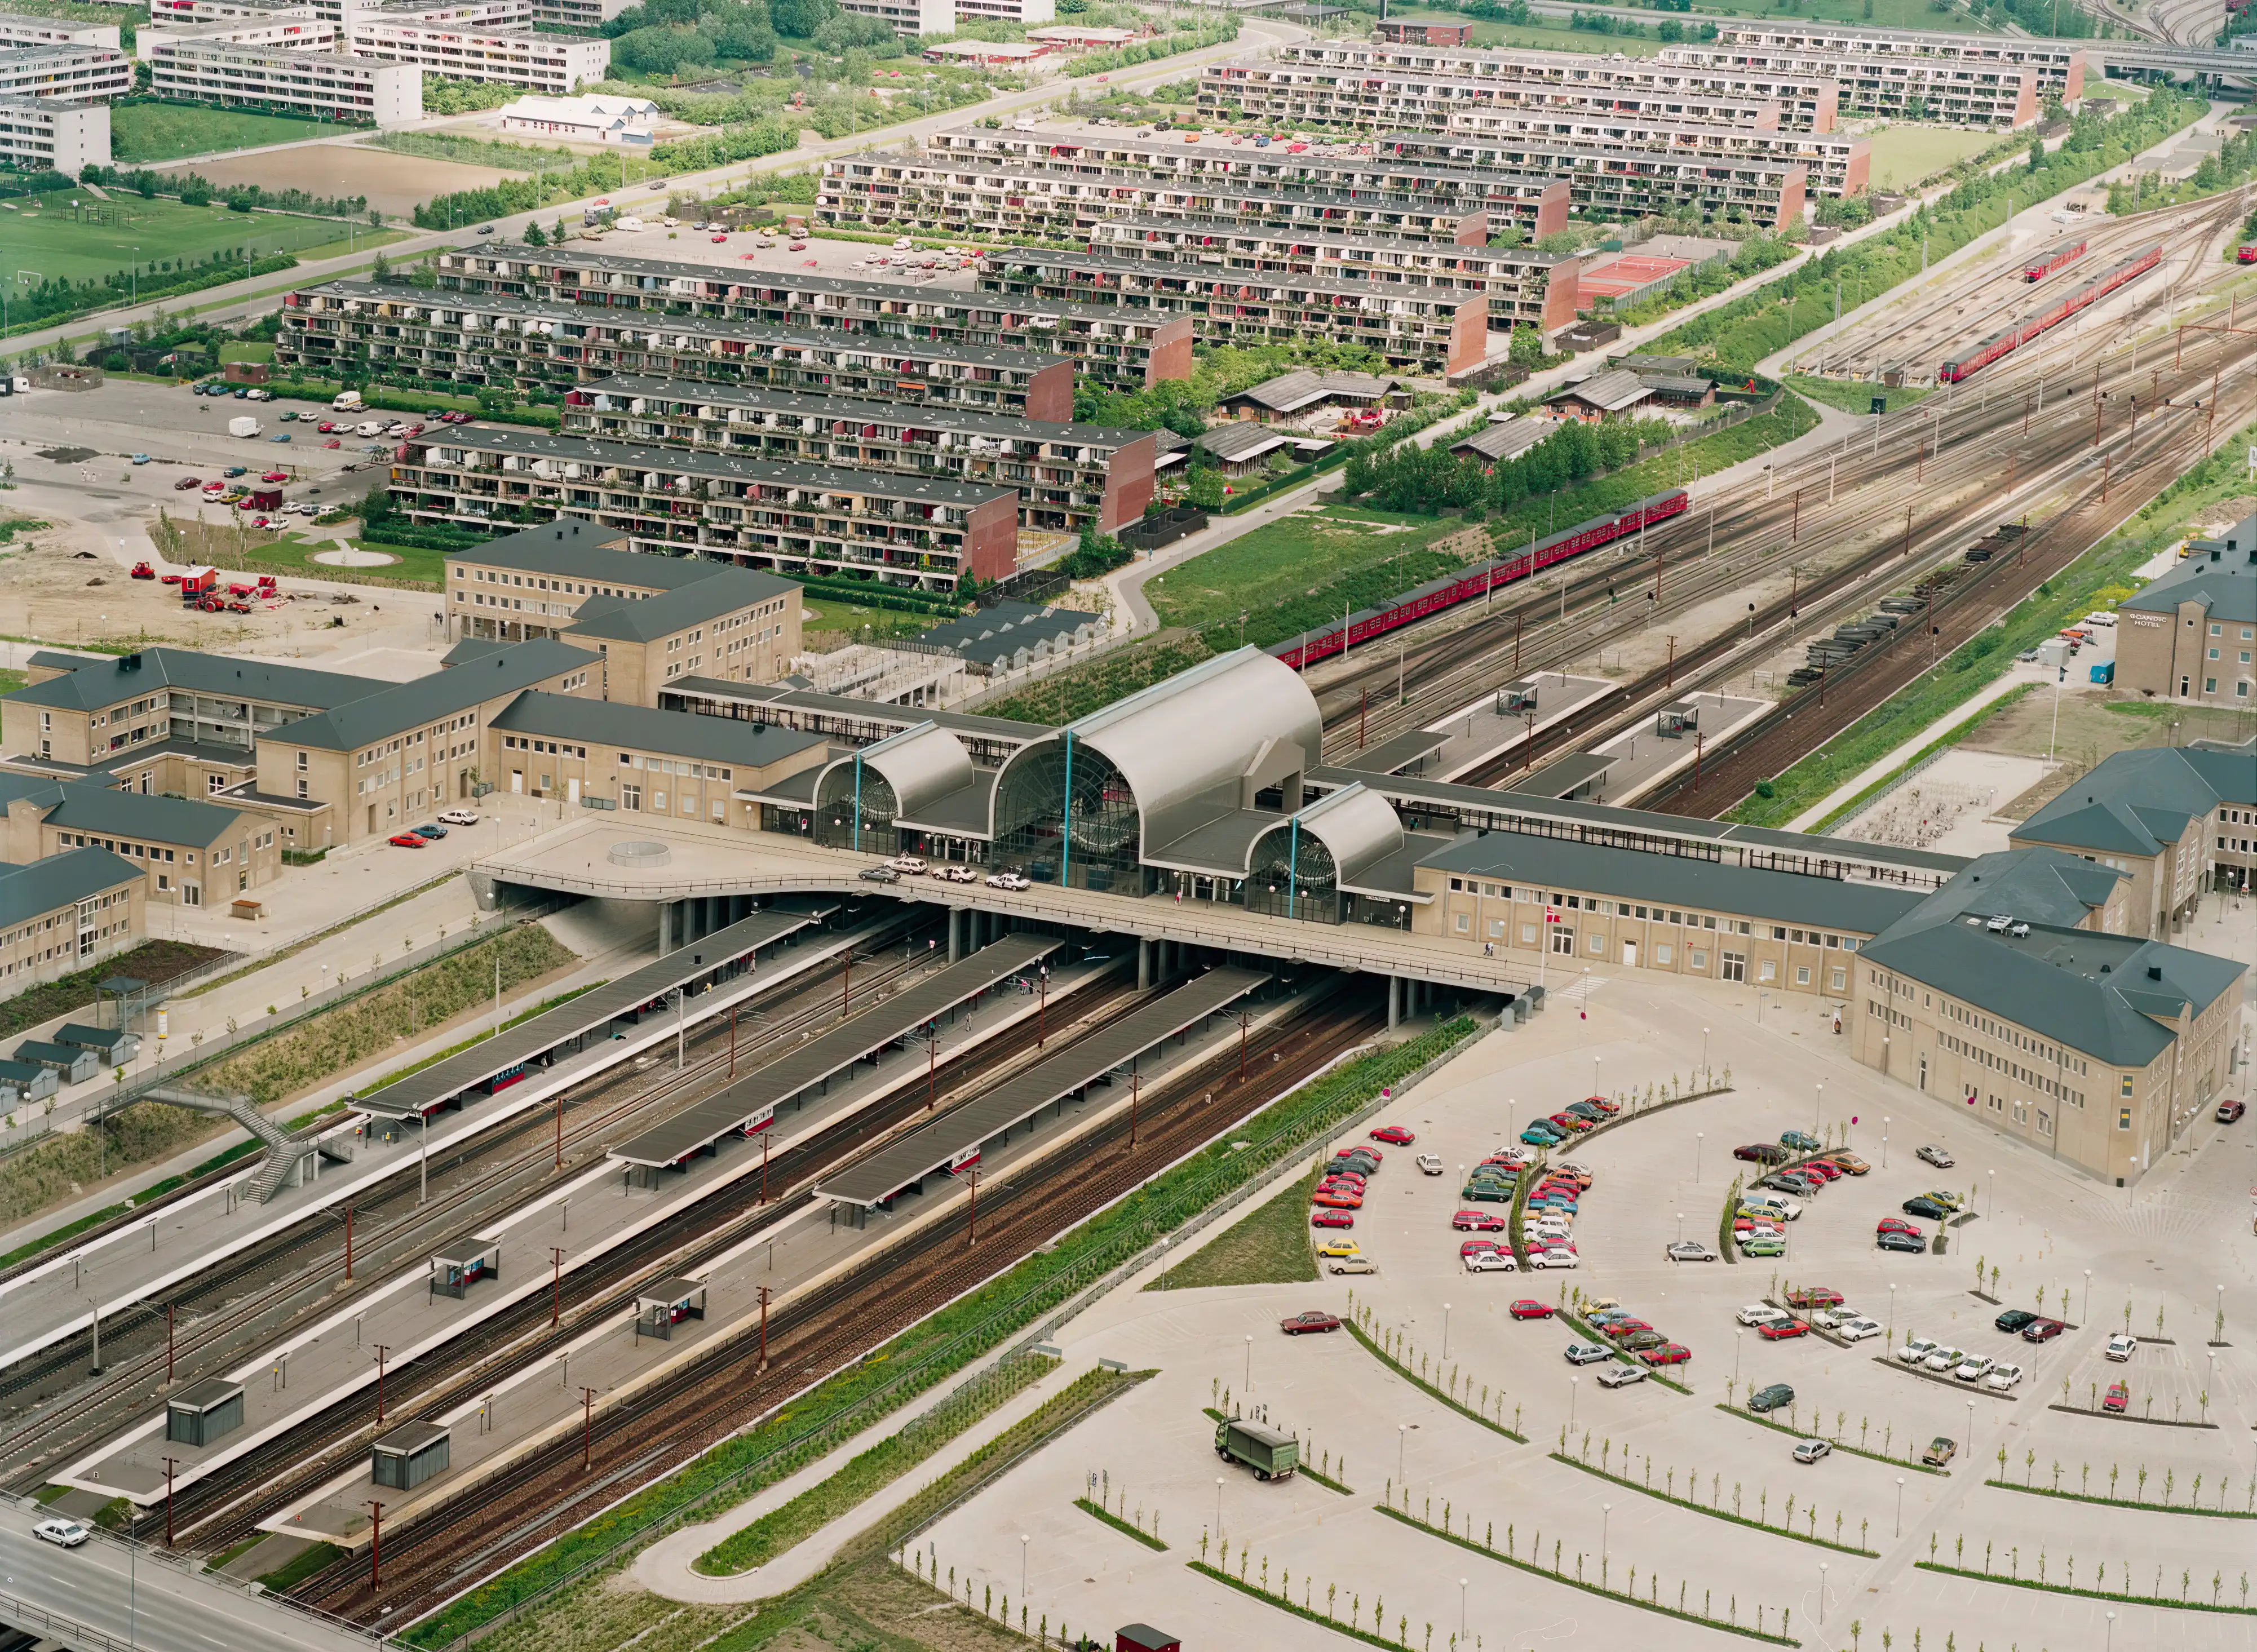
column 1956, row 370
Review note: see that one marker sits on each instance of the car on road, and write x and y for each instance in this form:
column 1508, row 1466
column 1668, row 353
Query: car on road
column 908, row 866
column 1811, row 1451
column 1587, row 1353
column 1762, row 1152
column 1669, row 1354
column 1941, row 1451
column 1553, row 1258
column 2230, row 1113
column 879, row 874
column 70, row 1534
column 1010, row 880
column 1430, row 1164
column 1622, row 1376
column 2118, row 1399
column 1393, row 1135
column 1331, row 1218
column 1858, row 1329
column 1529, row 1308
column 2013, row 1319
column 140, row 458
column 1781, row 1329
column 1897, row 1224
column 1919, row 1205
column 1353, row 1265
column 1895, row 1241
column 957, row 872
column 1771, row 1398
column 1490, row 1261
column 1314, row 1319
column 1339, row 1248
column 459, row 817
column 1974, row 1368
column 2042, row 1330
column 2121, row 1347
column 409, row 840
column 1929, row 1153
column 1691, row 1250
column 1814, row 1297
column 2002, row 1376
column 1759, row 1314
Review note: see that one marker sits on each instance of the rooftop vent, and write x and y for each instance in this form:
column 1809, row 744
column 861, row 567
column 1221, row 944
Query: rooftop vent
column 2154, row 971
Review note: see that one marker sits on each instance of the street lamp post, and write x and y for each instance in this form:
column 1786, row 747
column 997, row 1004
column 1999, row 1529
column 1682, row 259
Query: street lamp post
column 1899, row 1505
column 1249, row 1365
column 1821, row 1591
column 1893, row 1313
column 1991, row 1204
column 1218, row 1505
column 1738, row 1336
column 1606, row 1514
column 1446, row 1331
column 1816, row 1105
column 1885, row 1141
column 1574, row 1383
column 1402, row 1433
column 1023, row 1566
column 1697, row 1137
column 2086, row 1311
column 1704, row 1055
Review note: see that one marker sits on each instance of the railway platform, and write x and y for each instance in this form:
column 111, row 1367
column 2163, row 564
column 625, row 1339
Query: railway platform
column 501, row 1078
column 1503, row 719
column 468, row 1283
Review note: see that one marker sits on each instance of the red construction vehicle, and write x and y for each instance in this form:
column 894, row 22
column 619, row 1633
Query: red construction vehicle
column 212, row 604
column 142, row 571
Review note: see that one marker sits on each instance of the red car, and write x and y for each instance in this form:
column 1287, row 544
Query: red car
column 1529, row 1308
column 1477, row 1222
column 2042, row 1330
column 1781, row 1329
column 2118, row 1398
column 1335, row 1185
column 409, row 840
column 276, row 476
column 1393, row 1135
column 1610, row 1108
column 1626, row 1327
column 1474, row 1246
column 1762, row 1152
column 1897, row 1224
column 328, row 428
column 1750, row 1224
column 1331, row 1218
column 1814, row 1297
column 1572, row 1124
column 1670, row 1353
column 1315, row 1319
column 1825, row 1169
column 1337, row 1199
column 186, row 482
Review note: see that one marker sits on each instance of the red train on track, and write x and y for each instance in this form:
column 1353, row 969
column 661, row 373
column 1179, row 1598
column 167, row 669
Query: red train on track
column 2056, row 257
column 2014, row 335
column 2245, row 254
column 1451, row 589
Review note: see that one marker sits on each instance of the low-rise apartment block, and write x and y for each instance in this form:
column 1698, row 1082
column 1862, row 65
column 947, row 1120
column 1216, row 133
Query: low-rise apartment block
column 2192, row 635
column 643, row 761
column 64, row 913
column 910, row 19
column 189, row 851
column 340, row 88
column 556, row 64
column 796, row 519
column 284, row 29
column 1068, row 476
column 1525, row 288
column 2058, row 65
column 2002, row 96
column 1121, row 347
column 578, row 14
column 41, row 133
column 74, row 73
column 17, row 31
column 473, row 340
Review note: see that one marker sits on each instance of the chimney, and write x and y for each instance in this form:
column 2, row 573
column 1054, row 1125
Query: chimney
column 2154, row 971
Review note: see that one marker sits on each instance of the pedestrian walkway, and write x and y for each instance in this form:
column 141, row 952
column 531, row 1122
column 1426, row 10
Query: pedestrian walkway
column 2013, row 678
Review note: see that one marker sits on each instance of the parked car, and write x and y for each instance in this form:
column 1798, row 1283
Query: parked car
column 1691, row 1250
column 2229, row 1112
column 1339, row 1248
column 1314, row 1319
column 1763, row 1245
column 1799, row 1140
column 879, row 874
column 409, row 840
column 1331, row 1218
column 1811, row 1451
column 1490, row 1261
column 1944, row 1360
column 2002, row 1377
column 1858, row 1329
column 1761, row 1153
column 1352, row 1265
column 1915, row 1350
column 1469, row 1246
column 2120, row 1347
column 1477, row 1222
column 908, row 866
column 1931, row 1153
column 1553, row 1258
column 1849, row 1161
column 1587, row 1353
column 1941, row 1451
column 1895, row 1241
column 1781, row 1329
column 1814, row 1297
column 1622, row 1376
column 2013, row 1319
column 1918, row 1205
column 459, row 817
column 1897, row 1224
column 2042, row 1330
column 1759, row 1314
column 1771, row 1398
column 1429, row 1164
column 1529, row 1308
column 2118, row 1399
column 1670, row 1353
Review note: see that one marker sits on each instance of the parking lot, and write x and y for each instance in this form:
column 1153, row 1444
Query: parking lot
column 2166, row 1247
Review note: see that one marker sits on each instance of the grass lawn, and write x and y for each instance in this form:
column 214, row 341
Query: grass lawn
column 54, row 241
column 1290, row 558
column 1855, row 395
column 291, row 554
column 246, row 350
column 830, row 613
column 1269, row 1247
column 140, row 133
column 1902, row 155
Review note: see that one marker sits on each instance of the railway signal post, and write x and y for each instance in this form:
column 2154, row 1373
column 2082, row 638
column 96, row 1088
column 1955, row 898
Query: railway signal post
column 375, row 1546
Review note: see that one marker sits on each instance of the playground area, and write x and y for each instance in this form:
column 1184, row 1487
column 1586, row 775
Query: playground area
column 78, row 238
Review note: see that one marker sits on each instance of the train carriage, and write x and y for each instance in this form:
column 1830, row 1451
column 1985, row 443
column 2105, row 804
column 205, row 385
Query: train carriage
column 1957, row 369
column 2059, row 256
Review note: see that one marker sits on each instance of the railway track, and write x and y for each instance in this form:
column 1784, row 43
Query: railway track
column 218, row 1311
column 896, row 1286
column 225, row 1506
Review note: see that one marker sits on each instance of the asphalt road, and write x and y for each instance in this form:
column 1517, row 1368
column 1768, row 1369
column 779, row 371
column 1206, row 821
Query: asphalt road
column 101, row 1587
column 244, row 299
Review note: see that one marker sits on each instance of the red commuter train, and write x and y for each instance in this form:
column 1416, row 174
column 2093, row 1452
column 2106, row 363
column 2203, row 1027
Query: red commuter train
column 2014, row 335
column 2056, row 257
column 1452, row 588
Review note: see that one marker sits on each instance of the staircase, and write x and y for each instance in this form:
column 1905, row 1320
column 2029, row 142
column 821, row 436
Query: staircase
column 287, row 1151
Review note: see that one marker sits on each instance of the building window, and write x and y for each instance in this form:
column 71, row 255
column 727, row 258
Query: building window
column 1563, row 939
column 1802, row 975
column 1838, row 980
column 2123, row 1118
column 1697, row 958
column 1598, row 946
column 1734, row 967
column 1665, row 954
column 1463, row 923
column 2126, row 1091
column 1528, row 935
column 1767, row 970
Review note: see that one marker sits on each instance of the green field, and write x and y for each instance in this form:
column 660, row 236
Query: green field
column 1855, row 395
column 159, row 234
column 143, row 133
column 1902, row 155
column 1290, row 558
column 830, row 613
column 1269, row 1247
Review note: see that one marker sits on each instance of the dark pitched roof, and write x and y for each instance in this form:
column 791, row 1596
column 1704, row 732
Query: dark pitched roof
column 39, row 887
column 734, row 740
column 640, row 620
column 2090, row 991
column 109, row 811
column 2227, row 587
column 105, row 682
column 407, row 705
column 1004, row 627
column 2133, row 803
column 571, row 548
column 1676, row 880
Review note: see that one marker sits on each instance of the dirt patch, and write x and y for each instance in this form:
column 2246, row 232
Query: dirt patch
column 69, row 456
column 2091, row 730
column 395, row 184
column 2219, row 519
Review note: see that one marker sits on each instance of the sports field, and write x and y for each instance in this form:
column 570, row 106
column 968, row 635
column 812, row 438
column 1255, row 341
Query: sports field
column 159, row 235
column 140, row 133
column 1902, row 155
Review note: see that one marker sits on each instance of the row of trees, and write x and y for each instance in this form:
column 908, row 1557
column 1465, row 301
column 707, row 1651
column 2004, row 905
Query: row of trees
column 195, row 190
column 1429, row 480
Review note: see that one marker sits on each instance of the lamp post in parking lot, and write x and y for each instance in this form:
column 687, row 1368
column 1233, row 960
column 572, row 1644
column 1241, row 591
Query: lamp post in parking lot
column 1697, row 1137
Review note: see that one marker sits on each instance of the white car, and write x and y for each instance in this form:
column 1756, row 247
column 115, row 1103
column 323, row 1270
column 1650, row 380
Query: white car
column 2098, row 618
column 2121, row 1347
column 909, row 864
column 1944, row 1360
column 1760, row 1313
column 2003, row 1377
column 1553, row 1258
column 957, row 873
column 1352, row 1265
column 67, row 1533
column 1825, row 1319
column 1690, row 1251
column 1007, row 880
column 1974, row 1368
column 1778, row 1203
column 1569, row 1167
column 1858, row 1329
column 1811, row 1451
column 1431, row 1164
column 1491, row 1262
column 1915, row 1350
column 1931, row 1152
column 1621, row 1376
column 459, row 817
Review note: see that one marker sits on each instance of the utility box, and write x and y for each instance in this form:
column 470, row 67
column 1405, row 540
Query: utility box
column 667, row 1304
column 405, row 1458
column 1142, row 1637
column 1270, row 1454
column 204, row 1412
column 453, row 1272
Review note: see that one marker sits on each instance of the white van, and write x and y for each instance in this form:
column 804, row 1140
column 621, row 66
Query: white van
column 367, row 428
column 346, row 400
column 1761, row 1200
